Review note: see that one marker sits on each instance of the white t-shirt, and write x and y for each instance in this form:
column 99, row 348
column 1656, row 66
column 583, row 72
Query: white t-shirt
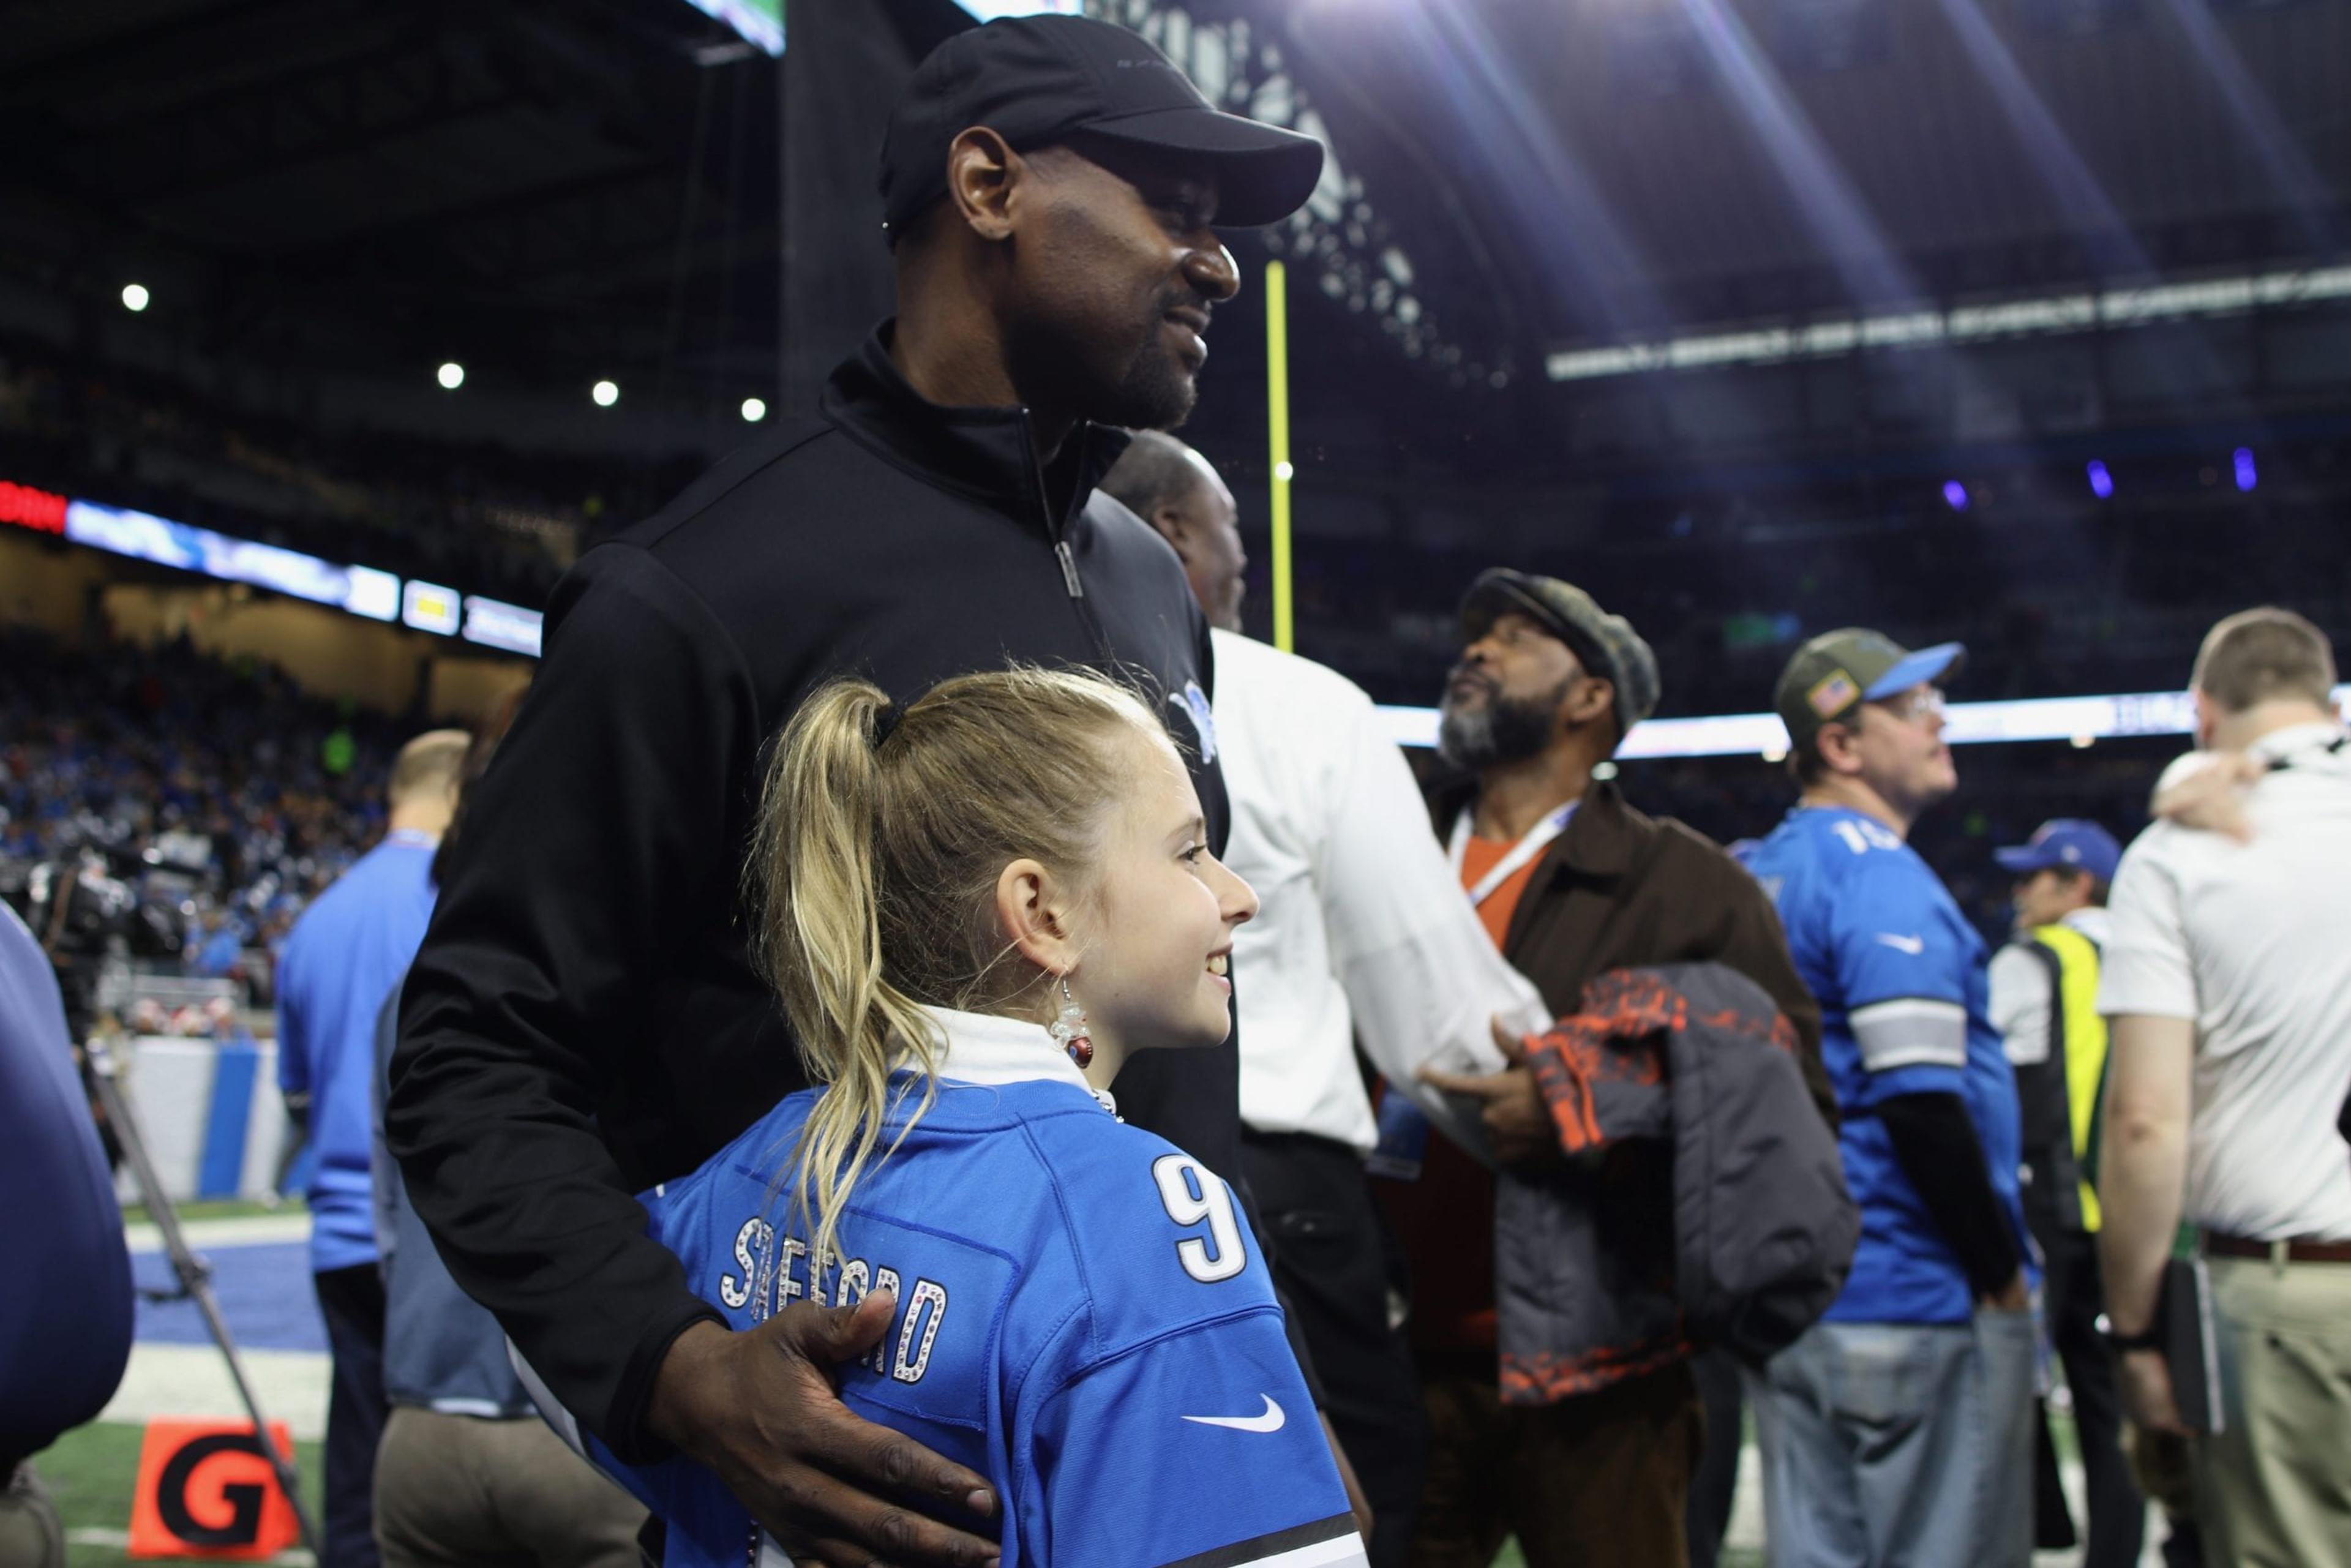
column 2253, row 942
column 1361, row 930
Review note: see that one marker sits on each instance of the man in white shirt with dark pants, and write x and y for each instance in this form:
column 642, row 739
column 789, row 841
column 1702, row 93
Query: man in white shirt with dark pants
column 2228, row 983
column 1361, row 936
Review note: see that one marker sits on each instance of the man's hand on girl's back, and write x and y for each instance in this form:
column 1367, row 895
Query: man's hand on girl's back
column 761, row 1409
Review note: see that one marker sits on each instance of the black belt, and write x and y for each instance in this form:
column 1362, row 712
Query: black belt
column 2304, row 1251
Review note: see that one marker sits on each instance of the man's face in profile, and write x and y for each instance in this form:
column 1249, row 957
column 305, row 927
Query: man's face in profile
column 1115, row 278
column 1502, row 700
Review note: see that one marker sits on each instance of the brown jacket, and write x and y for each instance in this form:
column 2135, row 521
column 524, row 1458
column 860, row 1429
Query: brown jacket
column 1622, row 889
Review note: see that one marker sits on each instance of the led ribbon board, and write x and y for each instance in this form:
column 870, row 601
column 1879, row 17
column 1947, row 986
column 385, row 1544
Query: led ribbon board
column 2078, row 720
column 380, row 596
column 361, row 590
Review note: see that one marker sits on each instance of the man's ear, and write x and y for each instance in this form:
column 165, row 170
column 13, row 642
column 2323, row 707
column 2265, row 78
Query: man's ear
column 982, row 174
column 1033, row 910
column 1839, row 745
column 1168, row 519
column 1591, row 701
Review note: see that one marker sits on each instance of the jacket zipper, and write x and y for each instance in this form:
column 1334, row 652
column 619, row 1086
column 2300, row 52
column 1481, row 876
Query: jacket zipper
column 1061, row 553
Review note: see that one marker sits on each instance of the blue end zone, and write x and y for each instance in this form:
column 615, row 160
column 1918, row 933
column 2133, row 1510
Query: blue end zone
column 264, row 1291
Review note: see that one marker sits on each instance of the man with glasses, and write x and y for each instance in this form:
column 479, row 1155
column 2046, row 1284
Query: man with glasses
column 1897, row 1428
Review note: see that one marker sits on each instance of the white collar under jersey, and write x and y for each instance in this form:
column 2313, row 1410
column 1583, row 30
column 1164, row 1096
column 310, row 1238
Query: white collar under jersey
column 987, row 1049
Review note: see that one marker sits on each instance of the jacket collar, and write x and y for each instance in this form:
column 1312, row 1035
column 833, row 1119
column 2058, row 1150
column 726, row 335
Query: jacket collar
column 986, row 455
column 1600, row 839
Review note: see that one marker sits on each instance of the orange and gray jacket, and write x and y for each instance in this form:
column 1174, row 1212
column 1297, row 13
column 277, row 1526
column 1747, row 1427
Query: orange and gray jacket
column 1696, row 1060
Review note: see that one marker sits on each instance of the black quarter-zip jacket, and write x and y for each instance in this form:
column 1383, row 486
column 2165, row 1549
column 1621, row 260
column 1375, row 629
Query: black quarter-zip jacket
column 583, row 1020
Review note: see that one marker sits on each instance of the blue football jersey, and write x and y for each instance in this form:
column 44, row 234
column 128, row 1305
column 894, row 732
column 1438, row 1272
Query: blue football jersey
column 1083, row 1318
column 1902, row 982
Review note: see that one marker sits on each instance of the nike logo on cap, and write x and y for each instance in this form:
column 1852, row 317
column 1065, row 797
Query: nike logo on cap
column 1271, row 1421
column 1914, row 946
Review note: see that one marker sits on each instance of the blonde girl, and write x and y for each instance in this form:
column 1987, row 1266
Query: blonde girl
column 975, row 908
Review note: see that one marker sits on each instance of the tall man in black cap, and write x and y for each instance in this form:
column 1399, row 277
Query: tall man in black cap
column 1586, row 1461
column 582, row 1020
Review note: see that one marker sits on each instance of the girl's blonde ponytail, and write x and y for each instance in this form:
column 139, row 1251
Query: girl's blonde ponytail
column 819, row 847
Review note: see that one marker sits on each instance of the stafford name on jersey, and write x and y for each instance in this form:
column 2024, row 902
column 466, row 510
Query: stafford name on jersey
column 771, row 1272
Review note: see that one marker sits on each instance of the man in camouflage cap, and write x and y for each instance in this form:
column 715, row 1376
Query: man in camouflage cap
column 1593, row 1465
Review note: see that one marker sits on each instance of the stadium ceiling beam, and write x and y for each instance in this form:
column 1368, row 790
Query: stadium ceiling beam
column 1338, row 241
column 308, row 117
column 152, row 46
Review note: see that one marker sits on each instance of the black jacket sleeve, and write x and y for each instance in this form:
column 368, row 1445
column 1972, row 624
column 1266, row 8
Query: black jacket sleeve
column 592, row 847
column 1936, row 1145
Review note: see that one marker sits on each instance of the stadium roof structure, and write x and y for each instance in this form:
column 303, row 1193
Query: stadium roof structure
column 556, row 189
column 574, row 189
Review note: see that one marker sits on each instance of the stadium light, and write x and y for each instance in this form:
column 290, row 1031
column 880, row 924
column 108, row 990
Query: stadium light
column 451, row 375
column 2247, row 476
column 135, row 297
column 1954, row 495
column 2102, row 483
column 606, row 393
column 754, row 411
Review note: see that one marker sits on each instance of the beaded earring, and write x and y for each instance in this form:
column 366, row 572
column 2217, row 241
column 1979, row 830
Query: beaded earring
column 1068, row 1029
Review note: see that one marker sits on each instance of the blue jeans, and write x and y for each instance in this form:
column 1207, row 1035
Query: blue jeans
column 1899, row 1445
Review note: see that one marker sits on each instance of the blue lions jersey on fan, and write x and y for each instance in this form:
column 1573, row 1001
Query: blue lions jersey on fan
column 1901, row 980
column 1083, row 1318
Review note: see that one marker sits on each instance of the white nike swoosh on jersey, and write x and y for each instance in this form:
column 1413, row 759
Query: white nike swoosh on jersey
column 1271, row 1421
column 1914, row 946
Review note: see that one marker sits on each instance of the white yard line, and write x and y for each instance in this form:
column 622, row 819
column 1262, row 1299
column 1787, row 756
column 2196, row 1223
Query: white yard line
column 92, row 1536
column 192, row 1380
column 250, row 1231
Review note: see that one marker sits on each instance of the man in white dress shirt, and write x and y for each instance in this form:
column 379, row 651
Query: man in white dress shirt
column 2227, row 983
column 1361, row 936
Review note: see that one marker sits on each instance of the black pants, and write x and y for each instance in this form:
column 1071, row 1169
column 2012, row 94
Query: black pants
column 2074, row 1296
column 1329, row 1252
column 1716, row 1483
column 351, row 1300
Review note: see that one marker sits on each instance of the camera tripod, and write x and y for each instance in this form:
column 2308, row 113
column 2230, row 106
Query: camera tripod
column 194, row 1273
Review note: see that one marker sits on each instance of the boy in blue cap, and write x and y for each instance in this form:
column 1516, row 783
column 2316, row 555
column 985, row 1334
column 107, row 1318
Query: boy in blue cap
column 2044, row 991
column 1897, row 1428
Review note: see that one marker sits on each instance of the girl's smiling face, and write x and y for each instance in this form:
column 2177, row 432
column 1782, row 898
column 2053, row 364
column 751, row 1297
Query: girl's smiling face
column 1157, row 938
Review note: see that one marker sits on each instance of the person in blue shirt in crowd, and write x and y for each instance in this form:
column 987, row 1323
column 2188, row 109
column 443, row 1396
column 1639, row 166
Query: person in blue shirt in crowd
column 466, row 1473
column 1899, row 1428
column 977, row 907
column 344, row 956
column 65, row 1292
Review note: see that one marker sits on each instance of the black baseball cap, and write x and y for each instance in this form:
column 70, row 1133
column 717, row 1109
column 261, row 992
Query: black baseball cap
column 1037, row 80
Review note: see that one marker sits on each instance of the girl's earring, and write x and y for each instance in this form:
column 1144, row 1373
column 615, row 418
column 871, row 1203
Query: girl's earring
column 1068, row 1029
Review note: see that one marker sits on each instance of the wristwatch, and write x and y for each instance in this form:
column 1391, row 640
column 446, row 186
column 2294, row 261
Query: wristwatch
column 2147, row 1338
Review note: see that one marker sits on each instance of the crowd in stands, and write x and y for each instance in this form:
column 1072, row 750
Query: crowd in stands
column 219, row 789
